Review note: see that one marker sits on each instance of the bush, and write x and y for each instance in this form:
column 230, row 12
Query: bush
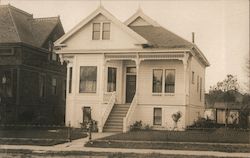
column 204, row 123
column 136, row 126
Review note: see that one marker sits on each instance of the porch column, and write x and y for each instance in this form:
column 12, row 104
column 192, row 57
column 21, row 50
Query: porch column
column 103, row 81
column 137, row 62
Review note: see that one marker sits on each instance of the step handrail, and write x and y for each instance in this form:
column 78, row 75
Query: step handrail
column 108, row 109
column 127, row 119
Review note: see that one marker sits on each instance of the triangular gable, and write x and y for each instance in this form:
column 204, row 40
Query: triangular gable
column 140, row 19
column 104, row 12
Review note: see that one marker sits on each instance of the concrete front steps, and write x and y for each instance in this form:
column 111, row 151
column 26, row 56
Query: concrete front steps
column 114, row 122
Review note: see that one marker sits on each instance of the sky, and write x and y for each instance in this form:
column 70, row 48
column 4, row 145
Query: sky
column 221, row 26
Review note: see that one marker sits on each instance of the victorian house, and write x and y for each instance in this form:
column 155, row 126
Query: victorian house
column 120, row 73
column 32, row 87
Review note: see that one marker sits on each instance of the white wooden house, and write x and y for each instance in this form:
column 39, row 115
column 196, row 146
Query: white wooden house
column 131, row 71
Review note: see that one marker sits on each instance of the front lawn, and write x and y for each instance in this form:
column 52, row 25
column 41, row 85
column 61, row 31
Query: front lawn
column 38, row 136
column 211, row 135
column 206, row 140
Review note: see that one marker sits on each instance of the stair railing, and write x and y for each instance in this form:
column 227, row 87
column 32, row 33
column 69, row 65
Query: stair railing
column 110, row 103
column 128, row 118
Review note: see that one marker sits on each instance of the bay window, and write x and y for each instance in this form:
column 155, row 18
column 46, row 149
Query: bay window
column 88, row 78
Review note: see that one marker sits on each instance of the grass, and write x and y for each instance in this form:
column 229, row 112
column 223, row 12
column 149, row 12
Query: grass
column 213, row 135
column 38, row 136
column 209, row 140
column 84, row 154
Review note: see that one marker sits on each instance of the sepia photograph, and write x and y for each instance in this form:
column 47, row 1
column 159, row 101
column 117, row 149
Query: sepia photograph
column 124, row 78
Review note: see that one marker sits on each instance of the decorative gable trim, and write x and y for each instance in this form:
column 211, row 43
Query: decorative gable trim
column 140, row 14
column 104, row 12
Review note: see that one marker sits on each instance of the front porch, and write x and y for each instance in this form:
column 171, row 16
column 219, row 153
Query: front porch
column 122, row 83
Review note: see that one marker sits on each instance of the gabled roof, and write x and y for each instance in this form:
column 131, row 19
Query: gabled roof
column 101, row 10
column 159, row 37
column 19, row 26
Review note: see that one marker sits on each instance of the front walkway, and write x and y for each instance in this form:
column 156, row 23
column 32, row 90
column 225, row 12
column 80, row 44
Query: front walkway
column 78, row 145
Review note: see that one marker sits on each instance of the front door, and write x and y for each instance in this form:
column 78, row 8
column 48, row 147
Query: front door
column 130, row 87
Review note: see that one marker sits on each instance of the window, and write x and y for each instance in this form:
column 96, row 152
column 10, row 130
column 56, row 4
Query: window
column 111, row 79
column 42, row 85
column 88, row 76
column 131, row 70
column 6, row 51
column 54, row 85
column 53, row 56
column 106, row 31
column 169, row 81
column 221, row 116
column 70, row 79
column 192, row 77
column 6, row 84
column 96, row 31
column 200, row 89
column 157, row 80
column 157, row 116
column 198, row 83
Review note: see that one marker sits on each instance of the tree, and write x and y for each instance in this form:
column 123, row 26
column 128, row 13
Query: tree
column 224, row 91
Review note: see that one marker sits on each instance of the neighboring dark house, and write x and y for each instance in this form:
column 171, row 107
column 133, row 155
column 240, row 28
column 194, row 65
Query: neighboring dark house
column 32, row 80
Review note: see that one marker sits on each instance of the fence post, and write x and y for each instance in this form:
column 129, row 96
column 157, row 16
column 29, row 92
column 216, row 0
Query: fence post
column 69, row 132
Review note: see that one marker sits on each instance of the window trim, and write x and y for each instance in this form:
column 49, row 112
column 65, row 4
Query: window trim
column 96, row 88
column 163, row 82
column 101, row 30
column 154, row 123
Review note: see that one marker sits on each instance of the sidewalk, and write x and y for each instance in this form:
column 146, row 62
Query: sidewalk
column 78, row 145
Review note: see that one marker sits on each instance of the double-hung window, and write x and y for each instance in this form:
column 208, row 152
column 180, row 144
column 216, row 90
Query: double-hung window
column 157, row 116
column 101, row 31
column 111, row 79
column 88, row 77
column 169, row 81
column 163, row 81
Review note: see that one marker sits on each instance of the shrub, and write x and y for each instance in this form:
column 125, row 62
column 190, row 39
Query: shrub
column 203, row 123
column 176, row 118
column 136, row 126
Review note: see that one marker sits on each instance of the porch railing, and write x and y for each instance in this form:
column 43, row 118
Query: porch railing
column 109, row 99
column 128, row 118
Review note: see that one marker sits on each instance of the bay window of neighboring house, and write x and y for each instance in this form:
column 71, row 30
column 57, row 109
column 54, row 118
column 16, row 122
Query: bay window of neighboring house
column 88, row 78
column 169, row 81
column 42, row 86
column 157, row 116
column 111, row 79
column 101, row 31
column 54, row 86
column 6, row 84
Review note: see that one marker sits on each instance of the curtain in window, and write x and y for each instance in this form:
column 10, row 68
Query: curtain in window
column 88, row 75
column 111, row 79
column 157, row 116
column 169, row 81
column 157, row 81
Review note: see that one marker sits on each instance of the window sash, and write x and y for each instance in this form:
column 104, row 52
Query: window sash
column 88, row 77
column 96, row 31
column 157, row 80
column 157, row 116
column 169, row 81
column 111, row 79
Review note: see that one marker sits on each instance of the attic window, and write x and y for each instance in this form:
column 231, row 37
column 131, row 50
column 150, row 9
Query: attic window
column 101, row 31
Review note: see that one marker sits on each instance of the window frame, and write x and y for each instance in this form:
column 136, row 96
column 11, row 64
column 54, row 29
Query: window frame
column 96, row 77
column 101, row 30
column 108, row 89
column 155, row 117
column 163, row 91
